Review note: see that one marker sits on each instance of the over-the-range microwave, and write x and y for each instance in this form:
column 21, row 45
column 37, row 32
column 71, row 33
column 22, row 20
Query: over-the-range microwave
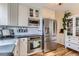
column 33, row 22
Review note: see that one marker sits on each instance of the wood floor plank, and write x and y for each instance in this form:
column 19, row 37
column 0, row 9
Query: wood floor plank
column 60, row 51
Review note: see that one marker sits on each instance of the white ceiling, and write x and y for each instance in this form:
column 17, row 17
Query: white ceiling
column 55, row 6
column 63, row 7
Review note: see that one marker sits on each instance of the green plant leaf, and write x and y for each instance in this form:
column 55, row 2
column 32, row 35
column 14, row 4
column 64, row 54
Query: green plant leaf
column 65, row 20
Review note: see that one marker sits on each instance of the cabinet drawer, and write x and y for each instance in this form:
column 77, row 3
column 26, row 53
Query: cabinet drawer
column 23, row 40
column 72, row 46
column 73, row 40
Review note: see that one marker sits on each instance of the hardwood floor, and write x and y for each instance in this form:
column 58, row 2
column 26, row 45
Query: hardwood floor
column 60, row 51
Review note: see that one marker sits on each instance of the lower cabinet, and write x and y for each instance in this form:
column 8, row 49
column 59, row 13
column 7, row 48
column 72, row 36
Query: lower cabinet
column 23, row 47
column 72, row 46
column 17, row 48
column 72, row 43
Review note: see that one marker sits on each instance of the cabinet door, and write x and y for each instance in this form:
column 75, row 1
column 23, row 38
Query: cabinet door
column 70, row 27
column 77, row 26
column 23, row 15
column 33, row 12
column 49, row 44
column 3, row 14
column 23, row 47
column 17, row 49
column 13, row 14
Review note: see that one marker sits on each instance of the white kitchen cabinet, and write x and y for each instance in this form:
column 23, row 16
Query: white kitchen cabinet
column 17, row 48
column 8, row 14
column 3, row 14
column 72, row 33
column 12, row 14
column 23, row 47
column 33, row 12
column 23, row 15
column 26, row 13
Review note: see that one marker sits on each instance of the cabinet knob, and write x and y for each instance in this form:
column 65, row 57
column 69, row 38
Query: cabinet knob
column 69, row 44
column 69, row 40
column 23, row 39
column 17, row 52
column 78, row 47
column 39, row 30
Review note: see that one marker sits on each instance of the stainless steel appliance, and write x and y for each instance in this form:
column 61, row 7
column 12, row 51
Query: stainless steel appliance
column 49, row 33
column 33, row 22
column 34, row 45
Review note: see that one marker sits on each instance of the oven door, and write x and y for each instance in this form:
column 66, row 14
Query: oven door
column 34, row 45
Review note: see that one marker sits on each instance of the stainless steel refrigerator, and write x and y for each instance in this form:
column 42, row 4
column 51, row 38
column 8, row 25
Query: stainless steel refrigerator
column 49, row 34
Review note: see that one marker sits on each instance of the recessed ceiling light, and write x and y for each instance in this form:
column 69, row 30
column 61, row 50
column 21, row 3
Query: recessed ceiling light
column 60, row 4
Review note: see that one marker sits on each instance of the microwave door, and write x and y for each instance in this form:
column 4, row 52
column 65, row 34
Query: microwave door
column 33, row 22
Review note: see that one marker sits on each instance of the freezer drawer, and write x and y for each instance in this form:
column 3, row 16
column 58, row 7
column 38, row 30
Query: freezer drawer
column 50, row 45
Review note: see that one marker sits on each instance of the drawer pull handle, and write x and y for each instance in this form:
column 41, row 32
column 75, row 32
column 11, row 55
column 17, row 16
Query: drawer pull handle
column 23, row 39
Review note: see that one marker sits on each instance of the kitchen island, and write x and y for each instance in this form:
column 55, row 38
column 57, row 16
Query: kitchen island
column 12, row 34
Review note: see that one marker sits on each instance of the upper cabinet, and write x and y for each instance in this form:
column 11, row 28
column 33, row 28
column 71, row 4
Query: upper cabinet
column 34, row 12
column 22, row 15
column 13, row 14
column 8, row 14
column 70, row 26
column 73, row 26
column 28, row 15
column 77, row 26
column 3, row 14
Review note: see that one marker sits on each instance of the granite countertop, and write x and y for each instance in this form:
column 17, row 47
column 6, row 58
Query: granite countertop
column 26, row 36
column 7, row 42
column 18, row 26
column 7, row 47
column 6, row 50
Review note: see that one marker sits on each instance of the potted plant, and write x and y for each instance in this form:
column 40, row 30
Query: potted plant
column 64, row 21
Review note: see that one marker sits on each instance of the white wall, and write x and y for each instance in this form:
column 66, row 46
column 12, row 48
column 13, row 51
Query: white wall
column 48, row 13
column 60, row 36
